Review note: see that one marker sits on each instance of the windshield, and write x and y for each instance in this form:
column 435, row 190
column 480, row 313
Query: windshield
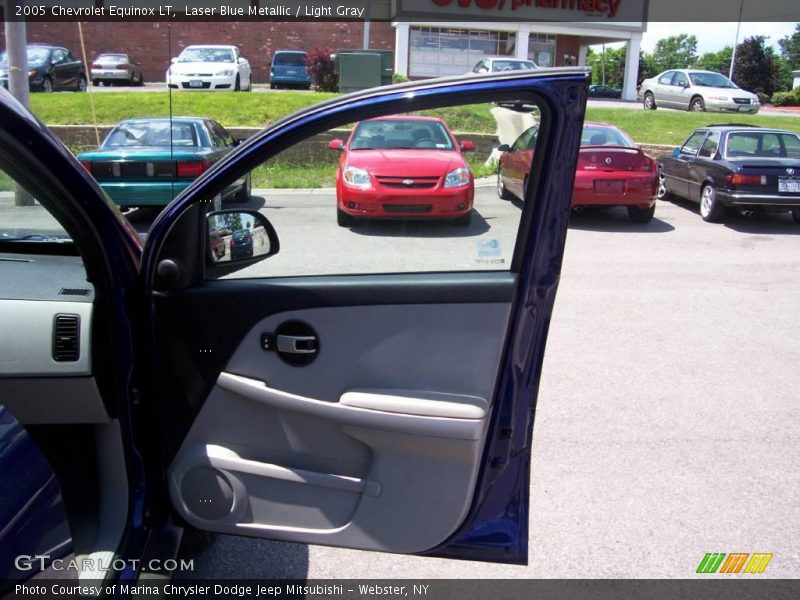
column 151, row 133
column 512, row 65
column 36, row 56
column 711, row 80
column 223, row 55
column 290, row 59
column 763, row 144
column 399, row 134
column 598, row 135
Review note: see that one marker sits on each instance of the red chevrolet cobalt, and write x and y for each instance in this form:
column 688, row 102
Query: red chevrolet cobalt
column 611, row 171
column 403, row 167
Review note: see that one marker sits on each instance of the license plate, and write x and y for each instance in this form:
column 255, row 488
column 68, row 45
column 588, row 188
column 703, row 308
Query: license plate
column 609, row 186
column 744, row 109
column 789, row 185
column 108, row 74
column 195, row 83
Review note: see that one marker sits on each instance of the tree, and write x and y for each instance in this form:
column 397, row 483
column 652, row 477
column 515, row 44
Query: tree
column 674, row 52
column 790, row 48
column 719, row 61
column 755, row 69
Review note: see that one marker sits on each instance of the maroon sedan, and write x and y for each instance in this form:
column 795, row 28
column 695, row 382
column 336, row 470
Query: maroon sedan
column 403, row 167
column 611, row 171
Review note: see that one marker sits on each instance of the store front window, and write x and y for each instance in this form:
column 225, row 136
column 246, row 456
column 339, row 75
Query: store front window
column 438, row 52
column 542, row 49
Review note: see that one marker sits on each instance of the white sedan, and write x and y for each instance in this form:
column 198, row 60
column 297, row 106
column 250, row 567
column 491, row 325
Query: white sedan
column 210, row 68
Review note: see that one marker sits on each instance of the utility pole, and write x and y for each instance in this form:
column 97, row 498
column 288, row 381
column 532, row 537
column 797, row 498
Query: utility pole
column 365, row 41
column 16, row 42
column 604, row 64
column 17, row 53
column 738, row 25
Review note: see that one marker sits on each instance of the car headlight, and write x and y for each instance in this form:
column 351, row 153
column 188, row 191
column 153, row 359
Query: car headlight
column 357, row 177
column 32, row 73
column 225, row 73
column 457, row 177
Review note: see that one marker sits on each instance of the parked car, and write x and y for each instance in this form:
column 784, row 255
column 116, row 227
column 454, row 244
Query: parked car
column 386, row 412
column 289, row 69
column 116, row 68
column 50, row 69
column 692, row 89
column 145, row 162
column 734, row 166
column 210, row 68
column 604, row 91
column 611, row 171
column 241, row 243
column 403, row 167
column 502, row 63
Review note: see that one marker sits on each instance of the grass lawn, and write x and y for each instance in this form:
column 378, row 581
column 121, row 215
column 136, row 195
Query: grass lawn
column 259, row 109
column 283, row 174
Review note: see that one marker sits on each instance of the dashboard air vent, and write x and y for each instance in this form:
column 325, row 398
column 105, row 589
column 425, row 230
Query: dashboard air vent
column 66, row 337
column 74, row 292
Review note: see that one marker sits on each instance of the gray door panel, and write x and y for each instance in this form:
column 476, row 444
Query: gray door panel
column 389, row 419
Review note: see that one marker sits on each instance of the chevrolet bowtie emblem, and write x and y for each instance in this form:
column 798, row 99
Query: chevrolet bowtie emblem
column 408, row 181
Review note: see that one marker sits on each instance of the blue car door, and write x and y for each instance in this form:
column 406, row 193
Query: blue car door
column 370, row 387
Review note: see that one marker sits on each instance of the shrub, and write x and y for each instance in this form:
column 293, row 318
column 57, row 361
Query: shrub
column 322, row 69
column 762, row 98
column 399, row 78
column 786, row 98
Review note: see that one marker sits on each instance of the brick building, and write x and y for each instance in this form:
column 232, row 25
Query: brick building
column 421, row 48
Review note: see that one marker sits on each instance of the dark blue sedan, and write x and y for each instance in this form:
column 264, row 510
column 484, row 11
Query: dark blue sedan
column 382, row 408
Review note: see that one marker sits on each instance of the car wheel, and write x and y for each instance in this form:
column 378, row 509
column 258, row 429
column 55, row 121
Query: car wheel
column 343, row 219
column 649, row 101
column 249, row 84
column 81, row 84
column 271, row 86
column 47, row 85
column 95, row 82
column 502, row 192
column 711, row 209
column 237, row 86
column 796, row 215
column 244, row 192
column 637, row 214
column 464, row 220
column 697, row 105
column 663, row 193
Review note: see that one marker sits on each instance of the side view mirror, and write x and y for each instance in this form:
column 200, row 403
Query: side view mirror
column 236, row 142
column 684, row 84
column 676, row 152
column 504, row 148
column 336, row 145
column 237, row 239
column 242, row 60
column 467, row 146
column 173, row 60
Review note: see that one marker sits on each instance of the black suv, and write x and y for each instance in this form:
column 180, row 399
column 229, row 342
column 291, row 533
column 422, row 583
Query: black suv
column 50, row 68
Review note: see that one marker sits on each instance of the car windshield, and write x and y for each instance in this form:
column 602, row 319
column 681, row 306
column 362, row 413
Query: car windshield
column 112, row 58
column 763, row 144
column 151, row 133
column 223, row 55
column 597, row 135
column 289, row 59
column 397, row 134
column 711, row 80
column 512, row 65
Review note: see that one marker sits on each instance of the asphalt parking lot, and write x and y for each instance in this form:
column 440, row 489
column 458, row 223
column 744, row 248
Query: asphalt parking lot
column 667, row 424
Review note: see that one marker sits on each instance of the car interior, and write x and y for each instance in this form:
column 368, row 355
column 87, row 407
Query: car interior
column 54, row 371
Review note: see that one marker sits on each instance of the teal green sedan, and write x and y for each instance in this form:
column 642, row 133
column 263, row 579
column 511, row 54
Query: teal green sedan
column 145, row 162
